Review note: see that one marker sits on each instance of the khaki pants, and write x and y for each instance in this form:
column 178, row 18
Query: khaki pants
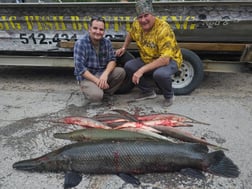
column 93, row 93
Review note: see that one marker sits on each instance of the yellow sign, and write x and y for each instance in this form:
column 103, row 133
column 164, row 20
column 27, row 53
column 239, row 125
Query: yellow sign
column 76, row 23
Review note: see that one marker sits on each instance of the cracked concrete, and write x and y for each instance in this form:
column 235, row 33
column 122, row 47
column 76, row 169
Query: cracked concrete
column 31, row 99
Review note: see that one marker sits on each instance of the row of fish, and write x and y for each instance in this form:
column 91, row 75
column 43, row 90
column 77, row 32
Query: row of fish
column 123, row 144
column 157, row 126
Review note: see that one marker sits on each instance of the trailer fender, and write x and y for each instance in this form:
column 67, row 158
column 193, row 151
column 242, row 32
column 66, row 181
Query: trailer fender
column 190, row 75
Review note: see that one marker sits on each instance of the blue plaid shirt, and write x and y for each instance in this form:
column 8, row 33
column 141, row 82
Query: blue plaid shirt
column 86, row 58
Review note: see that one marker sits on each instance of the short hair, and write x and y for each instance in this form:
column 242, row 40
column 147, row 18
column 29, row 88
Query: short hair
column 97, row 19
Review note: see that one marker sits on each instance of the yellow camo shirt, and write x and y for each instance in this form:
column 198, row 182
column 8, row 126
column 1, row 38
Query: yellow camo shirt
column 159, row 42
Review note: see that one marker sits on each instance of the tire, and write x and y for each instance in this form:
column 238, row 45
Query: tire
column 190, row 75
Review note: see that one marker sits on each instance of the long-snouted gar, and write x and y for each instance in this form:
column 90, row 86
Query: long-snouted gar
column 185, row 136
column 103, row 134
column 127, row 157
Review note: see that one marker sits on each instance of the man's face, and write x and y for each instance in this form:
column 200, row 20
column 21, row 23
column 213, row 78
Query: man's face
column 146, row 21
column 96, row 30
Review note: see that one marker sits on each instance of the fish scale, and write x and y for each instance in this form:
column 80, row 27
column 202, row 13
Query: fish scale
column 130, row 157
column 84, row 157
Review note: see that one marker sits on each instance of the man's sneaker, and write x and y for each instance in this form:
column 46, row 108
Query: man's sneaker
column 169, row 101
column 148, row 95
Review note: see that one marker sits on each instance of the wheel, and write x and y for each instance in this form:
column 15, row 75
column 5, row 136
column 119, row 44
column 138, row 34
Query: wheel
column 190, row 75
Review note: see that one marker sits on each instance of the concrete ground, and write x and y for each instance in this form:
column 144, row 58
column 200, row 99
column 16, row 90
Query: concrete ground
column 31, row 99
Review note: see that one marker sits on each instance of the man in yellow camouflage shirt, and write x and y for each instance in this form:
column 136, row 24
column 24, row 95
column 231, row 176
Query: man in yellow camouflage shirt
column 160, row 55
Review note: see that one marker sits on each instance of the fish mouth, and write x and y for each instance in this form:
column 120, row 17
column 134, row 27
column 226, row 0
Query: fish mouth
column 27, row 165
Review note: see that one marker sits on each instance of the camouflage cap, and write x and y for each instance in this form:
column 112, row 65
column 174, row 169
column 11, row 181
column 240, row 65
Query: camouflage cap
column 144, row 6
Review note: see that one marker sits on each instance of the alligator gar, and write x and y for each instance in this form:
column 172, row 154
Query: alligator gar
column 103, row 134
column 128, row 158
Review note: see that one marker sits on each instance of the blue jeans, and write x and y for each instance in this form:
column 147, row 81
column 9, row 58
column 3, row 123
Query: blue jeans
column 161, row 76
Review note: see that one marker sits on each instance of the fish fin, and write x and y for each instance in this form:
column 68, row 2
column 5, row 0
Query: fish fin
column 221, row 165
column 193, row 173
column 72, row 179
column 129, row 178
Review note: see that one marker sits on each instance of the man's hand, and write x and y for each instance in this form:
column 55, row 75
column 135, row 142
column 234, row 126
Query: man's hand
column 136, row 76
column 102, row 81
column 120, row 52
column 162, row 61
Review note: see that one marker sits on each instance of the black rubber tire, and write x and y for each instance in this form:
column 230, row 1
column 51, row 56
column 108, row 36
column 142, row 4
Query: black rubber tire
column 190, row 75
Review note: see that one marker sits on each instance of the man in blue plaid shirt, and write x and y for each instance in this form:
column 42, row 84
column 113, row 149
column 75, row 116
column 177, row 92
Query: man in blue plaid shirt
column 95, row 63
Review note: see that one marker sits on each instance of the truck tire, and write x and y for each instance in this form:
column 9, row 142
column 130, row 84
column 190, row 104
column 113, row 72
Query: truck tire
column 190, row 75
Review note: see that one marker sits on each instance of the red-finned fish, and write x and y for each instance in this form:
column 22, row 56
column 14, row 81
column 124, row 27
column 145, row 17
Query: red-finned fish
column 112, row 120
column 152, row 123
column 165, row 122
column 137, row 125
column 93, row 134
column 184, row 136
column 84, row 122
column 168, row 116
column 127, row 158
column 109, row 116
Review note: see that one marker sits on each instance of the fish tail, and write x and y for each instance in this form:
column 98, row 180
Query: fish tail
column 221, row 165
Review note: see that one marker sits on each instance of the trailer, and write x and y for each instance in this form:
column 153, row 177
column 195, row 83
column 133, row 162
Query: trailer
column 215, row 36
